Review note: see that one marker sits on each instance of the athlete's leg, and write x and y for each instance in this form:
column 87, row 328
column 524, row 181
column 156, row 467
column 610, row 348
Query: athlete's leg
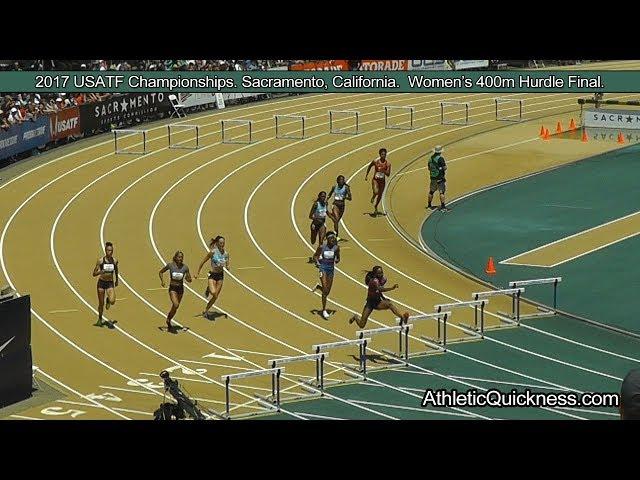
column 100, row 305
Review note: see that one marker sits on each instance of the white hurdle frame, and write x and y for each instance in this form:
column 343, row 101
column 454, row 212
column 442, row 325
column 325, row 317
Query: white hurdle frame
column 473, row 303
column 362, row 347
column 389, row 126
column 275, row 384
column 301, row 118
column 232, row 121
column 377, row 331
column 540, row 281
column 441, row 342
column 499, row 100
column 340, row 130
column 123, row 152
column 454, row 104
column 183, row 127
column 319, row 359
column 515, row 294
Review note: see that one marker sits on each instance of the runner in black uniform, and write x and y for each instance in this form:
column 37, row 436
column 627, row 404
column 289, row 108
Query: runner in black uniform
column 375, row 281
column 178, row 272
column 107, row 270
column 341, row 192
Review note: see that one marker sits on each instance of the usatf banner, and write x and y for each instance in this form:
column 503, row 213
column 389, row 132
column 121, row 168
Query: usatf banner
column 65, row 123
column 24, row 137
column 121, row 109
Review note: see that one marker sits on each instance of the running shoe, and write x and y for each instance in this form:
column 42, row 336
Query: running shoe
column 325, row 314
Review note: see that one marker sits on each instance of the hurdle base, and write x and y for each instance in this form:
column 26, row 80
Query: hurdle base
column 395, row 356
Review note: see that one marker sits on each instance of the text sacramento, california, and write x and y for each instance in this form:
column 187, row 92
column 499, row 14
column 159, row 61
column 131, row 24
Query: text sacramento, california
column 249, row 81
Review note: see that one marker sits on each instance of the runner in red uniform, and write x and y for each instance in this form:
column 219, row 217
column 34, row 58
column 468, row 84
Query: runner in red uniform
column 383, row 170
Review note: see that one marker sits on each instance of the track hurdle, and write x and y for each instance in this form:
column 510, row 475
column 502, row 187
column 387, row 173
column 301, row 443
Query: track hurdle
column 362, row 348
column 401, row 329
column 299, row 119
column 388, row 124
column 515, row 294
column 275, row 384
column 333, row 114
column 472, row 303
column 441, row 317
column 129, row 150
column 319, row 359
column 540, row 281
column 226, row 125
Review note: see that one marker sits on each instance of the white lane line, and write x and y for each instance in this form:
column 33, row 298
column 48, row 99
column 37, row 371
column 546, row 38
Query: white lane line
column 567, row 206
column 224, row 357
column 64, row 311
column 577, row 234
column 119, row 409
column 414, row 409
column 75, row 392
column 296, row 258
column 23, row 417
column 321, row 417
column 483, row 152
column 109, row 387
column 248, row 268
column 234, row 367
column 272, row 355
column 156, row 288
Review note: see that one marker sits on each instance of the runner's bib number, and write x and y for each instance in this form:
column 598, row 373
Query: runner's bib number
column 379, row 174
column 328, row 255
column 108, row 267
column 177, row 275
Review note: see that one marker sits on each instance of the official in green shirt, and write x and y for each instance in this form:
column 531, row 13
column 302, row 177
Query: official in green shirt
column 437, row 168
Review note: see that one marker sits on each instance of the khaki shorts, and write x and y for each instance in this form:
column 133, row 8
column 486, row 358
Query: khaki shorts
column 435, row 185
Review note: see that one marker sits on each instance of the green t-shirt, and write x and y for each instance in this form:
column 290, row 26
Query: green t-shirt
column 435, row 162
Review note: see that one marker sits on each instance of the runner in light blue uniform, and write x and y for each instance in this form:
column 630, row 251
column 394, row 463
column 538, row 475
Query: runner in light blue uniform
column 318, row 216
column 341, row 192
column 326, row 257
column 219, row 257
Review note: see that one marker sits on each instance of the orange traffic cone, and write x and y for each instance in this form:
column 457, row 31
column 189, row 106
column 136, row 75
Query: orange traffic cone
column 542, row 130
column 585, row 138
column 572, row 125
column 491, row 268
column 559, row 128
column 620, row 137
column 546, row 134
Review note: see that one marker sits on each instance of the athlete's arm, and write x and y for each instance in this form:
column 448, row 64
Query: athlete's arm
column 162, row 270
column 338, row 255
column 115, row 270
column 313, row 208
column 97, row 271
column 205, row 260
column 387, row 172
column 331, row 192
column 227, row 264
column 388, row 289
column 316, row 256
column 348, row 197
column 372, row 164
column 187, row 275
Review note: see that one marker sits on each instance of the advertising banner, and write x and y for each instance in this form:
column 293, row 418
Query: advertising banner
column 24, row 137
column 619, row 119
column 428, row 65
column 321, row 65
column 467, row 64
column 118, row 109
column 384, row 64
column 65, row 123
column 195, row 99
